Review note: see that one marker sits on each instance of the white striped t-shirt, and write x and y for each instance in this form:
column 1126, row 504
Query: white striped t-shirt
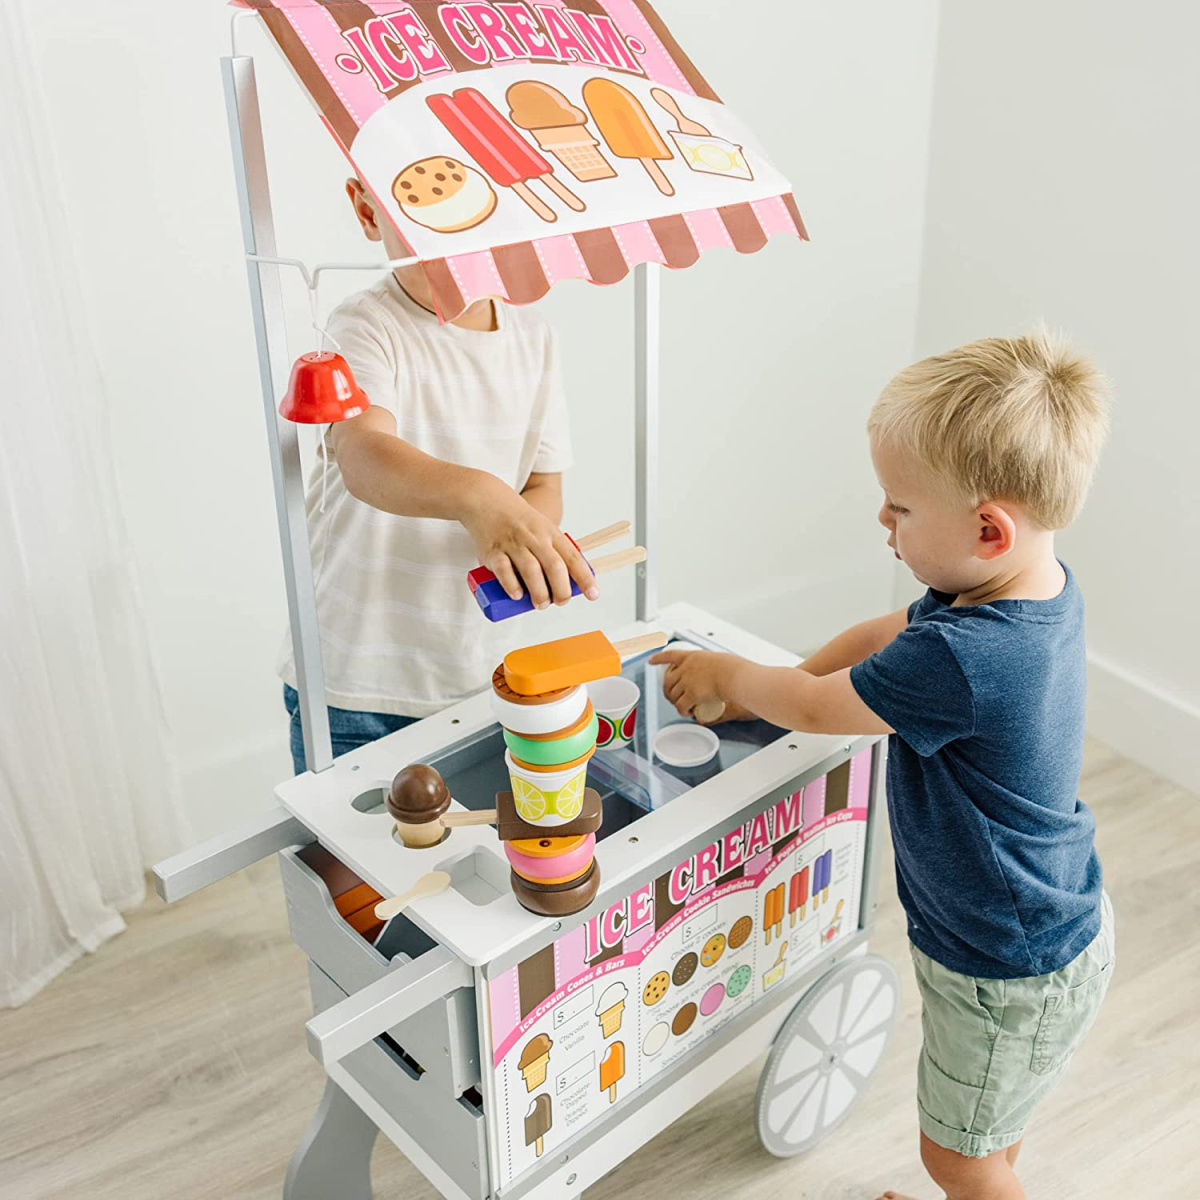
column 400, row 631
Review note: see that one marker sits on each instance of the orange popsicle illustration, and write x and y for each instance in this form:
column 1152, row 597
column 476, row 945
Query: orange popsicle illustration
column 612, row 1070
column 627, row 129
column 551, row 666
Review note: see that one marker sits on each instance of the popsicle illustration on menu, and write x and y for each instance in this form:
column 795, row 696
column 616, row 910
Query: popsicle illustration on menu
column 627, row 129
column 612, row 1070
column 559, row 128
column 611, row 1007
column 539, row 1120
column 505, row 156
column 798, row 895
column 535, row 1057
column 700, row 150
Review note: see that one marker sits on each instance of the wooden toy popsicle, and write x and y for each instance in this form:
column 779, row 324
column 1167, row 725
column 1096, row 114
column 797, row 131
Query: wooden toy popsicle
column 498, row 605
column 570, row 661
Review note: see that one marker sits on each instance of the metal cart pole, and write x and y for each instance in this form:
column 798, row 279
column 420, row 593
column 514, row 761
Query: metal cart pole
column 274, row 364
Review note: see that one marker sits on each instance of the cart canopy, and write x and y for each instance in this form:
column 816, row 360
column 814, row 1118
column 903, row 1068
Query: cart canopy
column 514, row 145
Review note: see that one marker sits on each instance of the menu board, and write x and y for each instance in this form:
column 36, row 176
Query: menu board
column 582, row 1024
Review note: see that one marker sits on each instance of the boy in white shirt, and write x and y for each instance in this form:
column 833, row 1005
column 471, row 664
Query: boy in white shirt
column 458, row 462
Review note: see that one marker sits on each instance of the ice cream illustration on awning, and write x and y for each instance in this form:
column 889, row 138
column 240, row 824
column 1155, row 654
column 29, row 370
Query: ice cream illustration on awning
column 514, row 146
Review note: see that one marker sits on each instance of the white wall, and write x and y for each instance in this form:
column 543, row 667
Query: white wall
column 771, row 362
column 1064, row 183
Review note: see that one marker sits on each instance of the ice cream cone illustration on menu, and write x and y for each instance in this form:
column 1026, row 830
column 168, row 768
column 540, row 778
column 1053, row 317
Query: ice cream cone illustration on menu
column 535, row 1057
column 627, row 129
column 539, row 1120
column 612, row 1070
column 611, row 1007
column 559, row 128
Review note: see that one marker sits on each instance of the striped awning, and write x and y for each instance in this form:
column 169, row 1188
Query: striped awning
column 515, row 145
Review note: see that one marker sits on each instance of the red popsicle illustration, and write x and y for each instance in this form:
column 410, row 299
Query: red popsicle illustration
column 507, row 158
column 798, row 895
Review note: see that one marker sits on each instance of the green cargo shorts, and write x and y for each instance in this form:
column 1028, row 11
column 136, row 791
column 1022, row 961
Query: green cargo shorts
column 995, row 1047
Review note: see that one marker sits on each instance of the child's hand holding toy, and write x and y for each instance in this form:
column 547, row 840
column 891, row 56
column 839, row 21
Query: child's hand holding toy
column 517, row 542
column 693, row 683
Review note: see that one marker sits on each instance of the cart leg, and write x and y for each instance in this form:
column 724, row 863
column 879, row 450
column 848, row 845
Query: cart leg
column 334, row 1155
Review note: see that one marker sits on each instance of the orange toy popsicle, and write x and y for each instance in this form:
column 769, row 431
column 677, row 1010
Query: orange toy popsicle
column 551, row 666
column 626, row 127
column 612, row 1070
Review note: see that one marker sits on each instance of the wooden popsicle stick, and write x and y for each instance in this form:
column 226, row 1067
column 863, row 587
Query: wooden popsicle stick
column 564, row 193
column 686, row 125
column 655, row 172
column 639, row 645
column 428, row 885
column 602, row 537
column 460, row 820
column 539, row 206
column 622, row 558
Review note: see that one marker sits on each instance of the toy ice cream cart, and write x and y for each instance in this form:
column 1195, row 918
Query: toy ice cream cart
column 716, row 908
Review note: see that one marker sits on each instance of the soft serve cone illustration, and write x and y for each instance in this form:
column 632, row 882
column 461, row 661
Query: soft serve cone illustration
column 611, row 1007
column 559, row 128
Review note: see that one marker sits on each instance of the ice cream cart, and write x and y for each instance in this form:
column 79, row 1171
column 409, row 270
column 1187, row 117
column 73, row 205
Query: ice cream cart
column 508, row 1053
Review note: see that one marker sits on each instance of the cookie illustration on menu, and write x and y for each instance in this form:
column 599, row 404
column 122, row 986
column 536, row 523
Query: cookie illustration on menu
column 738, row 981
column 683, row 1019
column 444, row 195
column 743, row 927
column 656, row 989
column 713, row 949
column 685, row 968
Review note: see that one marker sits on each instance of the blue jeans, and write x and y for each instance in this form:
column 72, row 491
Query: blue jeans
column 347, row 730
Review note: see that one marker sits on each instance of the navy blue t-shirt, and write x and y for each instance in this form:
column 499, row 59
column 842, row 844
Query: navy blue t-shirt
column 995, row 856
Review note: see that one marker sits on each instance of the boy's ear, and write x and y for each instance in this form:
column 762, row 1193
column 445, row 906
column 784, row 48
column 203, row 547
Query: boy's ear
column 997, row 531
column 364, row 210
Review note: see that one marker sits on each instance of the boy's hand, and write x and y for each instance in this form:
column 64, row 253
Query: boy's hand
column 694, row 677
column 516, row 542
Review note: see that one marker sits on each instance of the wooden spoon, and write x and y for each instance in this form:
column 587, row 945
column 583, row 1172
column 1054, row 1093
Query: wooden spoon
column 428, row 885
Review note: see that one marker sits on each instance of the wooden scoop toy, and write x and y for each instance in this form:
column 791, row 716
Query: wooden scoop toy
column 432, row 884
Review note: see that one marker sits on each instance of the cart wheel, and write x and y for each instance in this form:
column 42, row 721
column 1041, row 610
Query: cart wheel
column 825, row 1054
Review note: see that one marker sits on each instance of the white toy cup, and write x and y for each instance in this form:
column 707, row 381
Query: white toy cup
column 615, row 700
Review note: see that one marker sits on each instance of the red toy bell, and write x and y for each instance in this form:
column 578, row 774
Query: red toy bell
column 322, row 390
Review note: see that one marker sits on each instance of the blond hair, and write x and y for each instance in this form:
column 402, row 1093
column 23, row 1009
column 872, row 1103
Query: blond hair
column 1020, row 419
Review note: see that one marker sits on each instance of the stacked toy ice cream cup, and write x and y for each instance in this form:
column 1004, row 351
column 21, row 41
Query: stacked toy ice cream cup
column 550, row 738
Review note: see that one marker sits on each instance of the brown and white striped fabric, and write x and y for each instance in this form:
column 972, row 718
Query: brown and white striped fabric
column 309, row 31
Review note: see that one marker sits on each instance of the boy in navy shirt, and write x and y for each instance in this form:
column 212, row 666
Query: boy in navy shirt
column 982, row 454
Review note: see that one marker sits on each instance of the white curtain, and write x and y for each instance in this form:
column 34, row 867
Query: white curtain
column 89, row 794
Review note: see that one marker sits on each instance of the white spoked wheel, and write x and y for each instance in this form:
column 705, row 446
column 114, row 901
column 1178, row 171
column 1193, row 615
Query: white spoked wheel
column 825, row 1054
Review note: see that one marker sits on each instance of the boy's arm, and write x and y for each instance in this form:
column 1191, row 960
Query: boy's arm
column 545, row 493
column 858, row 642
column 785, row 696
column 512, row 535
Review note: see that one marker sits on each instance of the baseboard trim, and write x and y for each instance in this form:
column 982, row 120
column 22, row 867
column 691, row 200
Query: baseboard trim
column 1145, row 723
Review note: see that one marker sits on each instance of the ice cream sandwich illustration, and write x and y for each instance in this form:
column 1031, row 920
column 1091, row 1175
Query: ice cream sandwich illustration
column 535, row 1057
column 444, row 195
column 611, row 1007
column 612, row 1070
column 539, row 1120
column 559, row 128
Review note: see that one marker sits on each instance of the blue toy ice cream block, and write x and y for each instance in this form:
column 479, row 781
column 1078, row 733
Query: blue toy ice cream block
column 496, row 604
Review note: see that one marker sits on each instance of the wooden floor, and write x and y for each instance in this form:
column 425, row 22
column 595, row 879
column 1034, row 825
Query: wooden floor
column 172, row 1063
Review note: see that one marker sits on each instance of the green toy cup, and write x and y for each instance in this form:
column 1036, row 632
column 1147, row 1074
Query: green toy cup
column 554, row 753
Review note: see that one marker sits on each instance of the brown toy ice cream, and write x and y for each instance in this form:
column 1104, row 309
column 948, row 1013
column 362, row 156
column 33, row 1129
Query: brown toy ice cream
column 535, row 1057
column 418, row 798
column 559, row 128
